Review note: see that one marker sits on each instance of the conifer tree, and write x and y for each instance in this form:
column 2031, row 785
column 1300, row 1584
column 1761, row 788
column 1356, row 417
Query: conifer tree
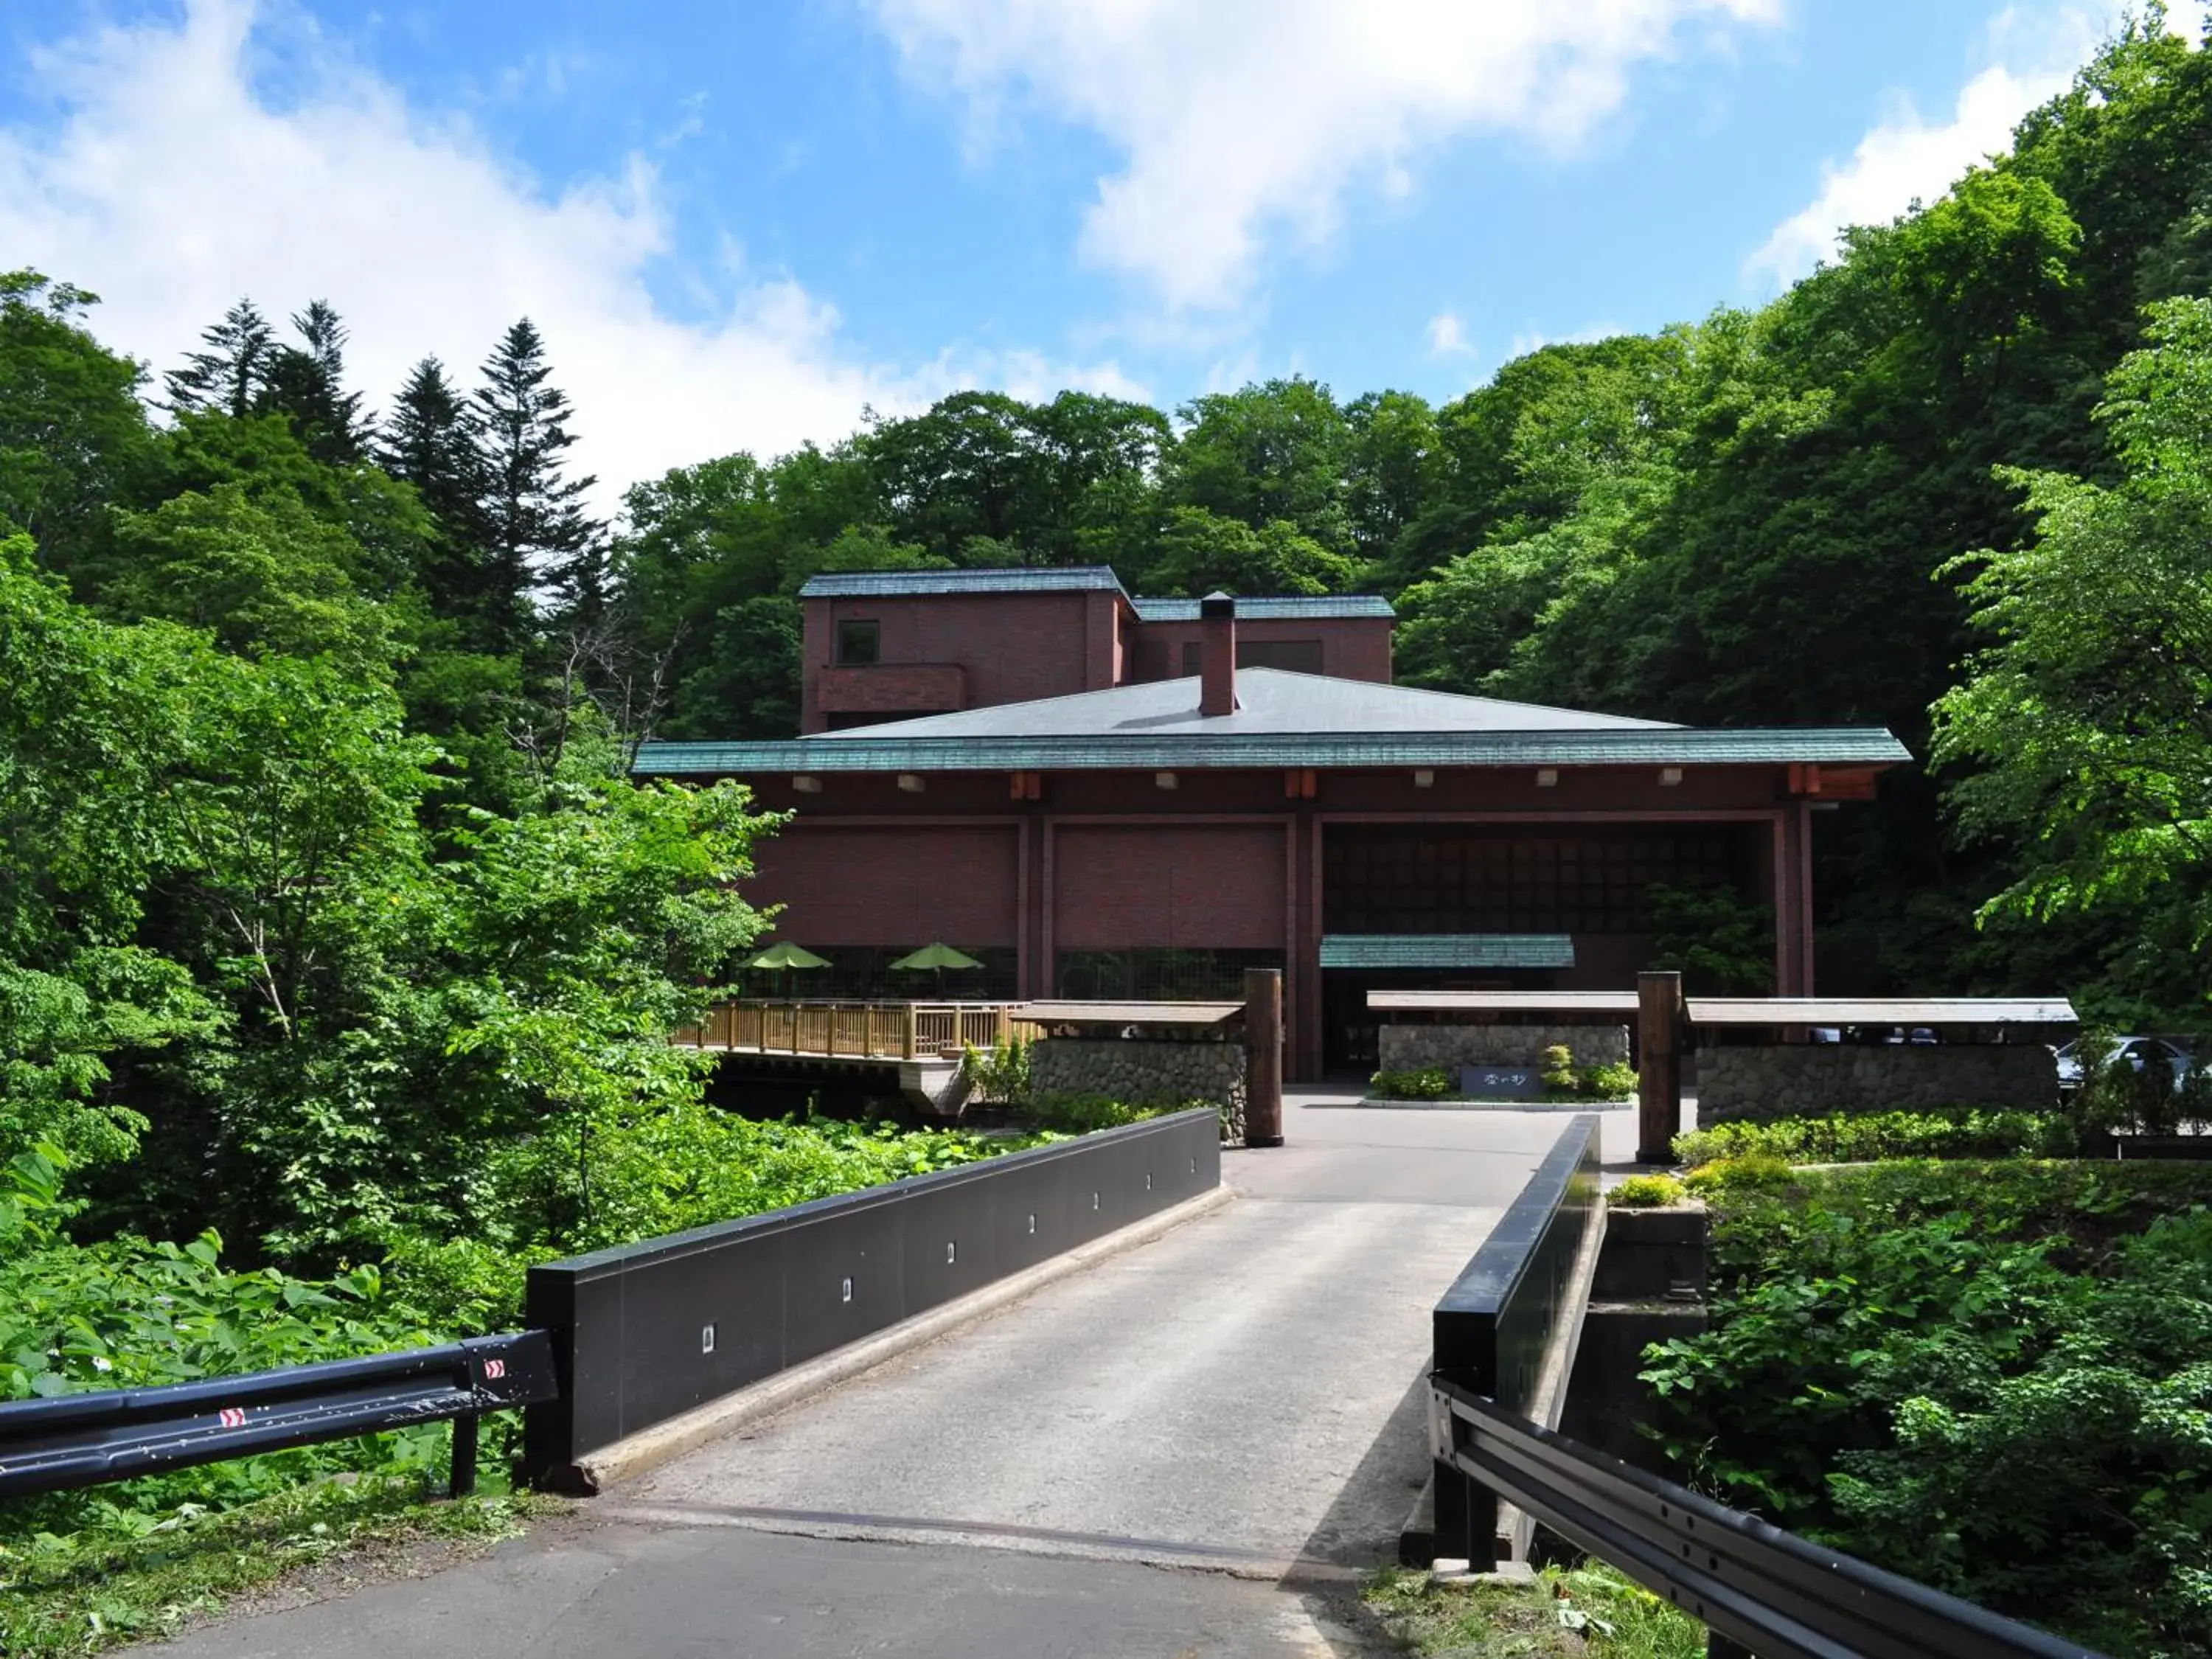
column 538, row 534
column 231, row 377
column 306, row 383
column 434, row 440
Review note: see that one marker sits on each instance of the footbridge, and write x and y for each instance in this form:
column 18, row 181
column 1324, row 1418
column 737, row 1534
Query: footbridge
column 1129, row 1394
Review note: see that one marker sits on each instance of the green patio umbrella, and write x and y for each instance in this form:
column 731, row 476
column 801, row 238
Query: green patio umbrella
column 938, row 956
column 786, row 956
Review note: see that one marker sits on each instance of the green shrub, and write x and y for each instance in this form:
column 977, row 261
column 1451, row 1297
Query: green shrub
column 1559, row 1070
column 1988, row 1376
column 1429, row 1083
column 1072, row 1114
column 1616, row 1080
column 1864, row 1138
column 1751, row 1169
column 1000, row 1074
column 1648, row 1192
column 125, row 1313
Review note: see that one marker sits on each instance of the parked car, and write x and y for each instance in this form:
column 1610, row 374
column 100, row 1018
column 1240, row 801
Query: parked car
column 2135, row 1052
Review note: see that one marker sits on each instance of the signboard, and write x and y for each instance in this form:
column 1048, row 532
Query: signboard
column 1501, row 1082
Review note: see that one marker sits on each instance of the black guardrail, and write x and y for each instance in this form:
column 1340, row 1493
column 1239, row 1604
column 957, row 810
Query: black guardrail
column 113, row 1434
column 1750, row 1582
column 651, row 1331
column 1493, row 1324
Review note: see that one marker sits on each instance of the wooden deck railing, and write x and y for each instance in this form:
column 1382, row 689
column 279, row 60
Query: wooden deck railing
column 856, row 1031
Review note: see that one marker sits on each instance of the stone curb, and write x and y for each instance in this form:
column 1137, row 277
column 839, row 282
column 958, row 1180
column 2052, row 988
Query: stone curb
column 650, row 1448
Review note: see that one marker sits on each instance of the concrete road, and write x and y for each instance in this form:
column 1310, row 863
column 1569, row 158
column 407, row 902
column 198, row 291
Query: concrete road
column 1194, row 1448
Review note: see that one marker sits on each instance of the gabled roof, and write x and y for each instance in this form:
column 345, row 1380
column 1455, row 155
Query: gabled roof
column 1335, row 605
column 1270, row 702
column 1020, row 579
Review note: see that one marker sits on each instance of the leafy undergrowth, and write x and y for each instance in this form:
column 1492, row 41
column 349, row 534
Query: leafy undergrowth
column 1992, row 1377
column 1865, row 1137
column 1590, row 1612
column 101, row 1586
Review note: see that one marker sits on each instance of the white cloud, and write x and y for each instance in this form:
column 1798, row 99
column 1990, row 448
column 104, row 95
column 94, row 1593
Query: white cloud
column 170, row 188
column 1242, row 118
column 1905, row 159
column 1448, row 336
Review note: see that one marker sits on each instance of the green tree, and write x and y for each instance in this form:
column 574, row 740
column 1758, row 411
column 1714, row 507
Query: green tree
column 306, row 383
column 73, row 434
column 434, row 440
column 2086, row 719
column 231, row 376
column 1200, row 551
column 1277, row 451
column 537, row 533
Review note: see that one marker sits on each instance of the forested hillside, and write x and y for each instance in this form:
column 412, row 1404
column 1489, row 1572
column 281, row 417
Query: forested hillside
column 322, row 869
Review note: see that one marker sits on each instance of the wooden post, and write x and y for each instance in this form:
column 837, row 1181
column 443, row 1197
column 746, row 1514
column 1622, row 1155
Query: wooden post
column 1659, row 1069
column 1263, row 1056
column 913, row 1019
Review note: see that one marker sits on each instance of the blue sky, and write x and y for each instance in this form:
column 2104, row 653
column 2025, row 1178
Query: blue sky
column 738, row 224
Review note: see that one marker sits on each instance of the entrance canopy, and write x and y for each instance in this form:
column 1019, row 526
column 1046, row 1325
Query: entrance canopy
column 1447, row 951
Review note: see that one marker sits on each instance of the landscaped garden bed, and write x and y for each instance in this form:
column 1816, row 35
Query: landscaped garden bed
column 1562, row 1082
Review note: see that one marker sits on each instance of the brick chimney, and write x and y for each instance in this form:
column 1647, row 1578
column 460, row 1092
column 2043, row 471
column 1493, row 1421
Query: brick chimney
column 1217, row 654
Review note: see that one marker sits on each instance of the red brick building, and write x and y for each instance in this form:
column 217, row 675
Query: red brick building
column 1100, row 796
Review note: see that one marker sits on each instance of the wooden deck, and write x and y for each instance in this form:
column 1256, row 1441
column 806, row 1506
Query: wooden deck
column 856, row 1031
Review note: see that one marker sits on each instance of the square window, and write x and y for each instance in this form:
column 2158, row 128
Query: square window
column 858, row 643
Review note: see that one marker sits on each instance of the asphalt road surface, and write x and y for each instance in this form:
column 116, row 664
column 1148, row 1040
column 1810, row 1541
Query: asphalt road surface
column 1194, row 1447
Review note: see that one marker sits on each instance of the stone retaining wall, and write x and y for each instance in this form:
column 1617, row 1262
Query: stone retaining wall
column 1815, row 1079
column 1416, row 1047
column 1138, row 1071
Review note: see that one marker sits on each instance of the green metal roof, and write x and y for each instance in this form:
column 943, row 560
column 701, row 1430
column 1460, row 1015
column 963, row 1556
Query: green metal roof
column 1260, row 751
column 1265, row 610
column 900, row 584
column 1447, row 951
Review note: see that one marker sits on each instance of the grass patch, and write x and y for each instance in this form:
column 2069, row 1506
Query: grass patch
column 1588, row 1612
column 61, row 1597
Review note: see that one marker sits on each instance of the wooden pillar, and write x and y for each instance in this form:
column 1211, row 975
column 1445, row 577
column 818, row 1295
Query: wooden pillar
column 1659, row 1070
column 1263, row 1057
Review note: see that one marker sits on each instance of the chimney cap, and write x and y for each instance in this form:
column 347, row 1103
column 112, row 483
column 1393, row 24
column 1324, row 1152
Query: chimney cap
column 1216, row 605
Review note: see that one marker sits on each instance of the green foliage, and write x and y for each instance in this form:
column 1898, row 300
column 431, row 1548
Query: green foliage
column 1614, row 1080
column 1757, row 1168
column 1648, row 1192
column 999, row 1074
column 2088, row 750
column 1428, row 1083
column 1558, row 1069
column 2009, row 1354
column 1066, row 1112
column 1587, row 1612
column 1720, row 942
column 1974, row 1132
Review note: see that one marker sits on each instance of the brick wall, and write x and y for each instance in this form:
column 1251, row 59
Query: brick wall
column 1415, row 1048
column 1353, row 648
column 1161, row 885
column 893, row 885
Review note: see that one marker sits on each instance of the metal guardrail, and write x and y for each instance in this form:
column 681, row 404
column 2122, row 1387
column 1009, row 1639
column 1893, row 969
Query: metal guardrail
column 1750, row 1582
column 115, row 1434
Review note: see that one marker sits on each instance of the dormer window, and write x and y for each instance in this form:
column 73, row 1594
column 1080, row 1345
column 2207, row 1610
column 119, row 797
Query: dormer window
column 859, row 644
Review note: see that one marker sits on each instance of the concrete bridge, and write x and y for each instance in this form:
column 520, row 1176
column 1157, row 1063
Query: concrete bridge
column 1194, row 1444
